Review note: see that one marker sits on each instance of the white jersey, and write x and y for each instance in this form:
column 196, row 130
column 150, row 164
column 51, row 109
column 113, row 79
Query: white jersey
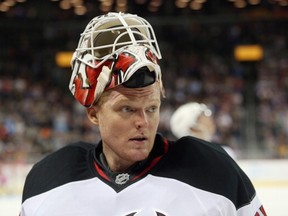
column 189, row 177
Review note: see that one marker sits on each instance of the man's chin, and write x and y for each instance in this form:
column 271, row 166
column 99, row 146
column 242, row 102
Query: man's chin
column 139, row 155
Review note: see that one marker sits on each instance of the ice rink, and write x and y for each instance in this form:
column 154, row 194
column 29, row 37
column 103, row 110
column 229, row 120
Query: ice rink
column 270, row 179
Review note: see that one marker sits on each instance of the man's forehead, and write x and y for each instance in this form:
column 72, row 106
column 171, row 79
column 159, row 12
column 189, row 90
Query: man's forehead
column 121, row 92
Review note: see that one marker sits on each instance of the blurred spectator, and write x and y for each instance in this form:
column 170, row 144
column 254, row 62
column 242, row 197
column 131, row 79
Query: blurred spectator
column 196, row 119
column 198, row 67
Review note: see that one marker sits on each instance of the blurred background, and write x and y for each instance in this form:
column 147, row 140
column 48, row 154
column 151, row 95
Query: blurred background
column 200, row 40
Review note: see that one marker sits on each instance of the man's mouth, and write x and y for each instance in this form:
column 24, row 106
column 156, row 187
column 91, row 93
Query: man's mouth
column 139, row 139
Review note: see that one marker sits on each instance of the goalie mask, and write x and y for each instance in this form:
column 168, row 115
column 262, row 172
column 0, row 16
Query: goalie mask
column 114, row 49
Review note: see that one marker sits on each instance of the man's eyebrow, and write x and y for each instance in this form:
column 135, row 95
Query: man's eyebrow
column 123, row 101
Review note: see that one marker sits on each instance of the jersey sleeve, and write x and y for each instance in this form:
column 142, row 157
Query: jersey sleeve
column 208, row 167
column 254, row 208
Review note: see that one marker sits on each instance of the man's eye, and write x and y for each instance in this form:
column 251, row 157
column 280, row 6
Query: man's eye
column 152, row 109
column 127, row 109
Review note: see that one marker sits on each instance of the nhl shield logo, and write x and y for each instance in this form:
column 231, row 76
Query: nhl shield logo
column 122, row 178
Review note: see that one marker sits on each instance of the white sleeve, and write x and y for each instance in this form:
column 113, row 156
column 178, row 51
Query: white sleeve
column 254, row 208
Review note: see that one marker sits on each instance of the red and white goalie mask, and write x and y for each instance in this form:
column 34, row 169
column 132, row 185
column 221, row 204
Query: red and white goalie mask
column 114, row 49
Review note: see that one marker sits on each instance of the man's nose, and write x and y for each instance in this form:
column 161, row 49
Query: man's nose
column 141, row 119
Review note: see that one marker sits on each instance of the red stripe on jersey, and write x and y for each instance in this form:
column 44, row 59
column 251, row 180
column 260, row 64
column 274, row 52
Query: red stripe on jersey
column 165, row 146
column 263, row 210
column 154, row 161
column 100, row 171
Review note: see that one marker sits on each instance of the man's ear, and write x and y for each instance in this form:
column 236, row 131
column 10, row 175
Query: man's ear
column 92, row 115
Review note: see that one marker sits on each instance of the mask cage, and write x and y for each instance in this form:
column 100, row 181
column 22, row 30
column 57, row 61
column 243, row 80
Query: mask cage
column 104, row 36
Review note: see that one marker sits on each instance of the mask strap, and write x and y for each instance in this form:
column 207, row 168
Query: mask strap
column 102, row 81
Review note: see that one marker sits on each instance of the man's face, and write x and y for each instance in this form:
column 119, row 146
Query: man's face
column 128, row 119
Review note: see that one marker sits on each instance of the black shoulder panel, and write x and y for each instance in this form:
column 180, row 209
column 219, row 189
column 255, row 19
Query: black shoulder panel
column 71, row 163
column 208, row 167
